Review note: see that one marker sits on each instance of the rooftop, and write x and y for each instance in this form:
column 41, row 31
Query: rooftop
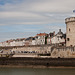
column 41, row 34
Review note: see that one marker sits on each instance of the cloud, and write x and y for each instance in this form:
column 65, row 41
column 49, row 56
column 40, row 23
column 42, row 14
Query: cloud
column 13, row 35
column 35, row 11
column 51, row 28
column 39, row 5
column 17, row 15
column 48, row 14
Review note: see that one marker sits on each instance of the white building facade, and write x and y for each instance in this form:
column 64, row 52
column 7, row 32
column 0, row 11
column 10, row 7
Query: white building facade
column 40, row 39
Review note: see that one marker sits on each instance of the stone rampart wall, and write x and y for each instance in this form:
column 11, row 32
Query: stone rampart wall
column 54, row 51
column 37, row 49
column 30, row 61
column 61, row 52
column 66, row 52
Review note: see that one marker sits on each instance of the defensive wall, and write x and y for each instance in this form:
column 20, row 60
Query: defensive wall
column 53, row 51
column 35, row 62
column 71, row 19
column 70, row 31
column 63, row 52
column 59, row 56
column 36, row 48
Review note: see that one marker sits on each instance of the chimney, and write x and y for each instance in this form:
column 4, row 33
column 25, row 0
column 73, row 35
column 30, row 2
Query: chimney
column 59, row 30
column 54, row 33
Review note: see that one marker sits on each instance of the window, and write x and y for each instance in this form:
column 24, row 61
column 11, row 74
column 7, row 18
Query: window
column 68, row 39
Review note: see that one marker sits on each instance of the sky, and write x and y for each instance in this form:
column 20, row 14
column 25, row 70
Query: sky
column 24, row 18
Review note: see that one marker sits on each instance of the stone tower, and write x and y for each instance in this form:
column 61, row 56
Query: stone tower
column 70, row 31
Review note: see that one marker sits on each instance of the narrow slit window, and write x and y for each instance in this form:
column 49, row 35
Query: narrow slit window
column 69, row 29
column 68, row 39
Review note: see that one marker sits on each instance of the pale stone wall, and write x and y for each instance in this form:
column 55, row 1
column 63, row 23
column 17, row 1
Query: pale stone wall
column 67, row 52
column 70, row 31
column 37, row 49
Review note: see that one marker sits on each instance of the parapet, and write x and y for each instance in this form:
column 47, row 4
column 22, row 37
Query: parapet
column 71, row 19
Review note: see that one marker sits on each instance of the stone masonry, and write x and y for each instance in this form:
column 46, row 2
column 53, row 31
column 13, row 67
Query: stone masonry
column 70, row 31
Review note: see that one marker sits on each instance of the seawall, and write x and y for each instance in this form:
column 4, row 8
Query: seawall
column 31, row 61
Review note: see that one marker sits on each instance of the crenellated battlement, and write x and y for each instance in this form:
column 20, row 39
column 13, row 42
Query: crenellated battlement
column 71, row 19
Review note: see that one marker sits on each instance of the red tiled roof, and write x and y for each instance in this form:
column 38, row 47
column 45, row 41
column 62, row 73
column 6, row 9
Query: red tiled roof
column 41, row 34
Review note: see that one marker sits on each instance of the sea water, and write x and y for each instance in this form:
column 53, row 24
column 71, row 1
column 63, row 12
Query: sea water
column 37, row 71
